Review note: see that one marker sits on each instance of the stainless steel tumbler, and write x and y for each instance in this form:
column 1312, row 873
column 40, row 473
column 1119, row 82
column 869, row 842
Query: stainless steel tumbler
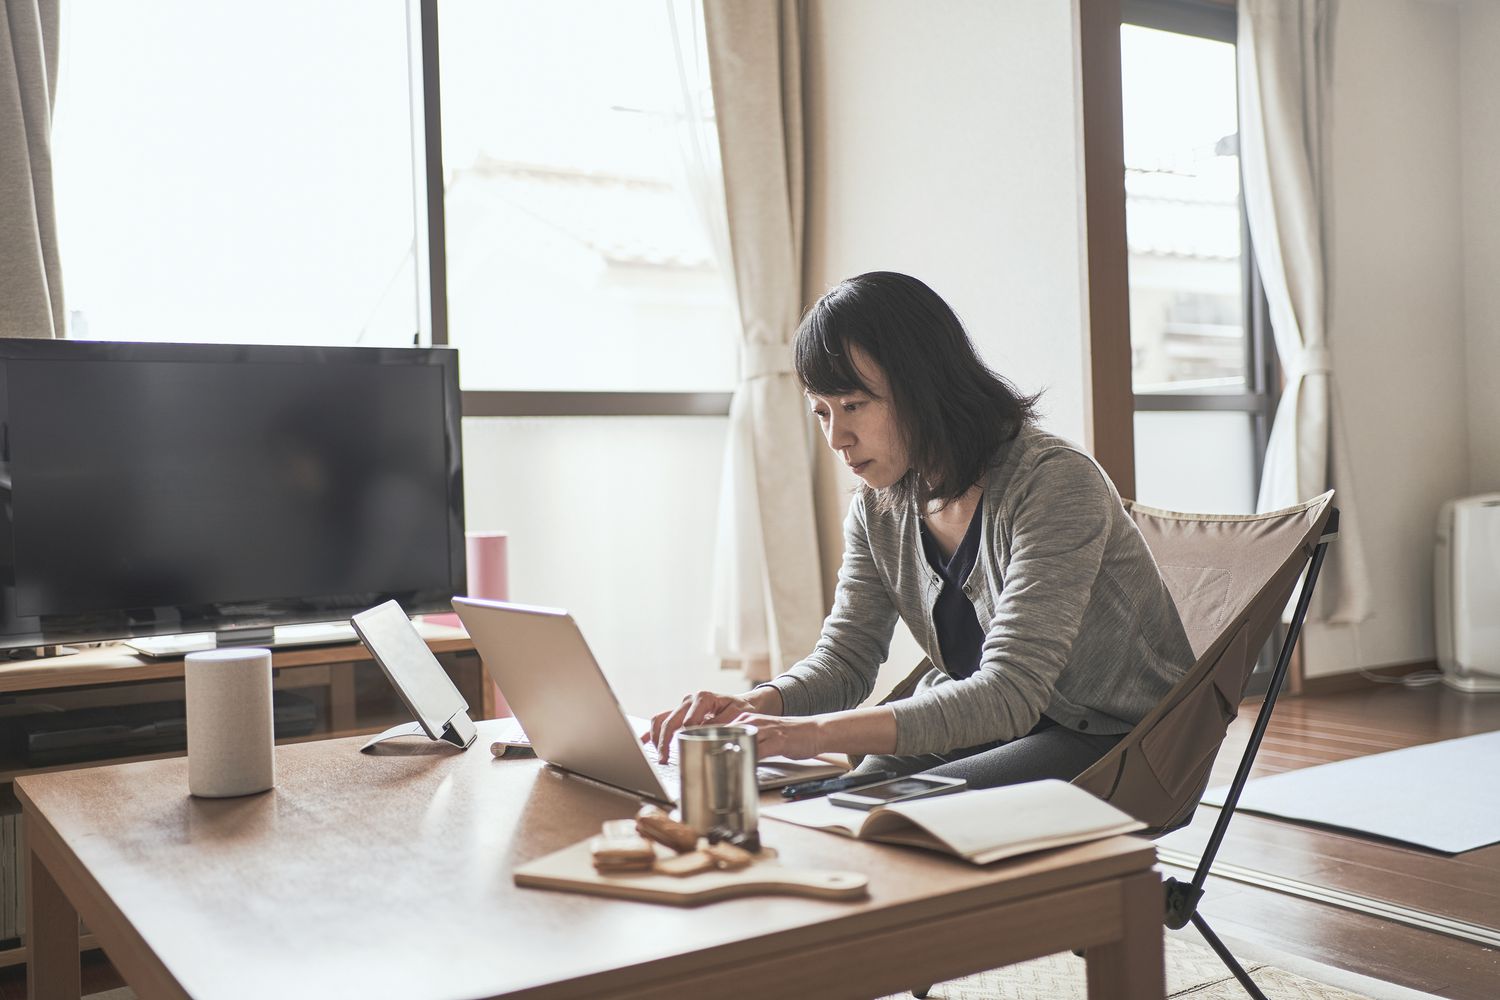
column 719, row 794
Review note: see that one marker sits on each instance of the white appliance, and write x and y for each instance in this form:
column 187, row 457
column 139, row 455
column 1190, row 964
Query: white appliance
column 1467, row 593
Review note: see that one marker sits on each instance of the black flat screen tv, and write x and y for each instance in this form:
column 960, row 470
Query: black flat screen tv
column 151, row 489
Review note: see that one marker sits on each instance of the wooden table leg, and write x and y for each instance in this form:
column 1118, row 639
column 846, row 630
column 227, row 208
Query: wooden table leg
column 52, row 971
column 1131, row 968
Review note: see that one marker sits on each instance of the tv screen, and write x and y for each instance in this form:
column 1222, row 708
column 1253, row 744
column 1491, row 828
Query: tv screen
column 159, row 488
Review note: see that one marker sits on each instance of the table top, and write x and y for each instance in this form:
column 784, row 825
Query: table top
column 389, row 875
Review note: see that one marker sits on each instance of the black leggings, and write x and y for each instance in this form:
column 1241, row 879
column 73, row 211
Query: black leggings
column 1048, row 751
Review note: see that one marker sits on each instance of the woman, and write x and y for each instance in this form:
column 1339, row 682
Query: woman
column 1004, row 549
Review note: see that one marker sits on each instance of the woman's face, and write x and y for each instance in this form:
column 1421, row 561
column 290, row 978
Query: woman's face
column 861, row 428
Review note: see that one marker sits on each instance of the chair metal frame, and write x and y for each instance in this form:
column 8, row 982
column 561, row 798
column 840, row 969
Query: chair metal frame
column 1182, row 898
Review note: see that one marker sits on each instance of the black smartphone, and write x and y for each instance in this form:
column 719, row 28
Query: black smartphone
column 914, row 786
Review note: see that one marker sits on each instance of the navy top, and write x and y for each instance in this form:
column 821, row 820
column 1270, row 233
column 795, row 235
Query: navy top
column 959, row 635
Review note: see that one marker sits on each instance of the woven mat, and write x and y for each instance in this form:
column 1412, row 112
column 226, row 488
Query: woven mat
column 1193, row 970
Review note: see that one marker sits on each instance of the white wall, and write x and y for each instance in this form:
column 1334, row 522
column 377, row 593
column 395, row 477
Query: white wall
column 944, row 142
column 1397, row 325
column 612, row 518
column 1479, row 127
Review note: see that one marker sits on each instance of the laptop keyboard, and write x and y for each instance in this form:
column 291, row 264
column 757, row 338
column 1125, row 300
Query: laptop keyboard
column 671, row 775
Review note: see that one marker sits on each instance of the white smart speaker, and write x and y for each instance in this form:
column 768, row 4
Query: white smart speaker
column 231, row 740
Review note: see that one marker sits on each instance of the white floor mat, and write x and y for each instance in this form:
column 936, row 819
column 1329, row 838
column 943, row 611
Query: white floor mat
column 1443, row 796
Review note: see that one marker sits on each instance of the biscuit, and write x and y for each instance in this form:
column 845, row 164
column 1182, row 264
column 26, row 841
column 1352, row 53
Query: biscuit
column 727, row 857
column 685, row 864
column 653, row 823
column 629, row 853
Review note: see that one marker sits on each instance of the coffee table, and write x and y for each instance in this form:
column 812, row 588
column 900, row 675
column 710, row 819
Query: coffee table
column 389, row 875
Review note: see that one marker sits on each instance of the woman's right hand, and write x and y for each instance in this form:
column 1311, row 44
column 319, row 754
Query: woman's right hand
column 706, row 708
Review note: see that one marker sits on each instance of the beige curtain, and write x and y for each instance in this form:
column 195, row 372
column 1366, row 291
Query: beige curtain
column 768, row 604
column 31, row 301
column 1285, row 69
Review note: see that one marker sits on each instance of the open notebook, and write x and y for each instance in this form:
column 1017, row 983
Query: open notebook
column 981, row 826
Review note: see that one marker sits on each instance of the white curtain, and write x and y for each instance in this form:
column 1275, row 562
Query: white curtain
column 31, row 301
column 1285, row 66
column 768, row 601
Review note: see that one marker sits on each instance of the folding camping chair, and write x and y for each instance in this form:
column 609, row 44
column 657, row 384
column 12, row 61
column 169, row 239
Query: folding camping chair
column 1231, row 576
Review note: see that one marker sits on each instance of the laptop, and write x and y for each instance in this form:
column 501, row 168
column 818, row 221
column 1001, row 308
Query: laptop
column 553, row 684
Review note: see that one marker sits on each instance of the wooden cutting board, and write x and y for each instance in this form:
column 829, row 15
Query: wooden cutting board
column 572, row 870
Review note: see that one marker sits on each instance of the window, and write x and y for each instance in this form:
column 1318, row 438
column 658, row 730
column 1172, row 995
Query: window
column 580, row 182
column 534, row 184
column 237, row 172
column 1202, row 361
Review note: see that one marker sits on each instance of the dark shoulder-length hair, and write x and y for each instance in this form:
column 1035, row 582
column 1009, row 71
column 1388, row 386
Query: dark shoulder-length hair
column 952, row 411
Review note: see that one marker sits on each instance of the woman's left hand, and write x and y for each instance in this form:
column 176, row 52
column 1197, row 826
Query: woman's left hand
column 783, row 736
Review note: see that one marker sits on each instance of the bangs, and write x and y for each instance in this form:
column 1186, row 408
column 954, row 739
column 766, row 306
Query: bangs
column 821, row 357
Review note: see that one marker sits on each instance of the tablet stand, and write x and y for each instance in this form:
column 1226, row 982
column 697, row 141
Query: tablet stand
column 458, row 730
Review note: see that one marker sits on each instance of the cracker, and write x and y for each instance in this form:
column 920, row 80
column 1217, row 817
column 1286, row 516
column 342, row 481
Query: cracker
column 653, row 823
column 690, row 863
column 628, row 853
column 727, row 857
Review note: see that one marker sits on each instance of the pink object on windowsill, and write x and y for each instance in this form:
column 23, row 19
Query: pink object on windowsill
column 488, row 575
column 489, row 578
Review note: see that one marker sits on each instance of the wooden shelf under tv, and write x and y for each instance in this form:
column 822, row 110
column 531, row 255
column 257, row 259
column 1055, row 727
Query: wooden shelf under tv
column 115, row 663
column 115, row 673
column 17, row 956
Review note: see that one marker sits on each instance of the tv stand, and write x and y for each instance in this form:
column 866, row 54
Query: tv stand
column 37, row 652
column 282, row 636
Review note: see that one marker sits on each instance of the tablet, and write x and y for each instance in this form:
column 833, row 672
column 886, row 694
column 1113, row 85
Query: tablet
column 415, row 673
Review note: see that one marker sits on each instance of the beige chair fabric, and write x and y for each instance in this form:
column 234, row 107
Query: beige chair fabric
column 1231, row 576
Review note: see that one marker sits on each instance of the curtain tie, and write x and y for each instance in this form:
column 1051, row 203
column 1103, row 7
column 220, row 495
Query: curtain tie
column 1313, row 361
column 760, row 360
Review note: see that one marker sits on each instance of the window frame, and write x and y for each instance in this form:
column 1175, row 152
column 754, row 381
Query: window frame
column 1215, row 19
column 428, row 115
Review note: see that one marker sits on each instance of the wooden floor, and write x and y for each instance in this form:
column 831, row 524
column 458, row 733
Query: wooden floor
column 1304, row 731
column 1313, row 730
